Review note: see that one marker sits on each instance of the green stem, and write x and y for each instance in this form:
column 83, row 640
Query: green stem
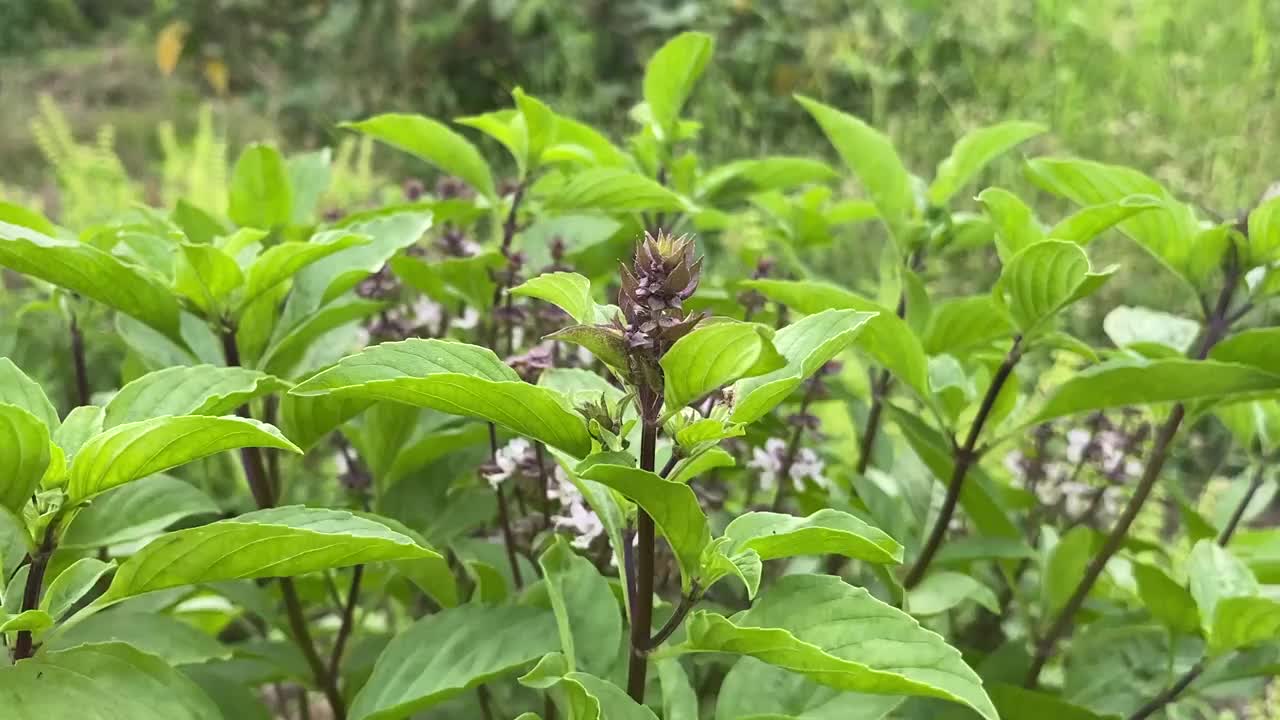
column 963, row 458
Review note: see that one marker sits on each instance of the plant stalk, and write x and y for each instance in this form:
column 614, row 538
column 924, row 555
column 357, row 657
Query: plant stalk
column 642, row 601
column 24, row 645
column 963, row 457
column 260, row 485
column 504, row 514
column 83, row 394
column 1216, row 327
column 348, row 620
column 880, row 386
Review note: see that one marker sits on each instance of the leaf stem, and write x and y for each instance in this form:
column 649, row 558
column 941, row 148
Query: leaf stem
column 504, row 514
column 83, row 393
column 23, row 646
column 880, row 386
column 1216, row 326
column 642, row 601
column 677, row 617
column 260, row 485
column 348, row 619
column 963, row 458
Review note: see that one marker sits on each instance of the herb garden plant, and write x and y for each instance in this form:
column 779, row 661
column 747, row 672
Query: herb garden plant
column 596, row 440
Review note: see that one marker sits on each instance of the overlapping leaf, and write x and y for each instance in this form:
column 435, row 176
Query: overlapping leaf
column 454, row 378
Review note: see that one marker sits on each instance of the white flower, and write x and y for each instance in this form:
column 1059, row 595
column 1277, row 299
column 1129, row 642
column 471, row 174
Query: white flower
column 583, row 522
column 768, row 461
column 1077, row 443
column 340, row 461
column 507, row 459
column 1111, row 446
column 1133, row 467
column 467, row 320
column 426, row 312
column 1048, row 493
column 808, row 465
column 1013, row 463
column 1113, row 499
column 1079, row 497
column 579, row 517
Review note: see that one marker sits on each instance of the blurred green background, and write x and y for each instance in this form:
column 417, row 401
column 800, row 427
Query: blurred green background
column 1183, row 89
column 103, row 104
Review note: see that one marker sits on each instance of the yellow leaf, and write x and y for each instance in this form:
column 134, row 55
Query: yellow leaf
column 169, row 45
column 215, row 71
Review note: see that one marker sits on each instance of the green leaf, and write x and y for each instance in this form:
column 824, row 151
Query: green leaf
column 673, row 506
column 827, row 531
column 136, row 511
column 25, row 458
column 1233, row 613
column 1241, row 622
column 959, row 326
column 712, row 356
column 582, row 696
column 763, row 174
column 33, row 621
column 841, row 636
column 265, row 543
column 873, row 159
column 261, row 195
column 579, row 233
column 606, row 343
column 72, row 584
column 306, row 420
column 1016, row 703
column 17, row 388
column 585, row 608
column 290, row 346
column 433, row 142
column 1255, row 347
column 469, row 279
column 444, row 654
column 138, row 449
column 806, row 345
column 86, row 270
column 102, row 682
column 207, row 276
column 18, row 215
column 1016, row 225
column 538, row 124
column 1166, row 600
column 975, row 151
column 324, row 280
column 191, row 390
column 171, row 639
column 670, row 74
column 754, row 690
column 1043, row 279
column 943, row 591
column 679, row 699
column 1065, row 567
column 281, row 262
column 455, row 378
column 568, row 291
column 1088, row 223
column 1264, row 232
column 1142, row 327
column 1166, row 233
column 1147, row 382
column 309, row 176
column 886, row 337
column 613, row 190
column 1216, row 574
column 81, row 425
